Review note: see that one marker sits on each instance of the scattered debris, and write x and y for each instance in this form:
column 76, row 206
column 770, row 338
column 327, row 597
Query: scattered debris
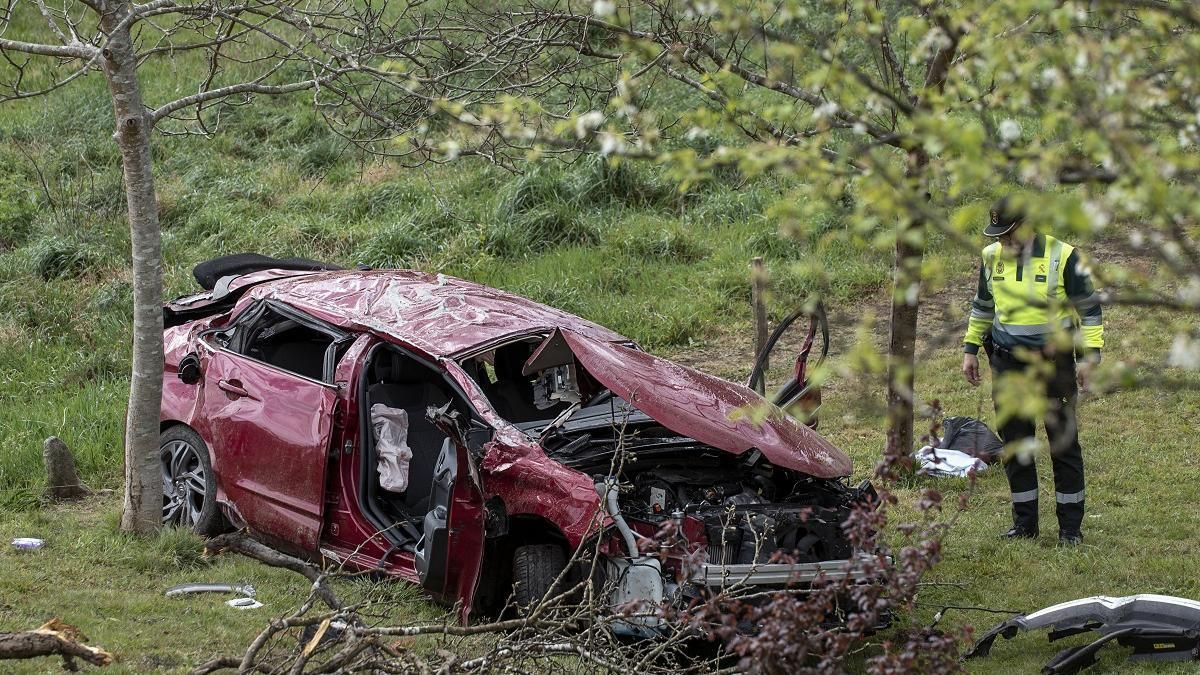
column 184, row 589
column 244, row 603
column 968, row 445
column 62, row 479
column 27, row 543
column 1157, row 627
column 933, row 461
column 971, row 436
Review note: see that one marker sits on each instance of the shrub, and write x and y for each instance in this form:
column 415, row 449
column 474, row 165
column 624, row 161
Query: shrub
column 534, row 189
column 770, row 243
column 595, row 181
column 18, row 206
column 668, row 243
column 320, row 156
column 395, row 245
column 56, row 257
column 538, row 230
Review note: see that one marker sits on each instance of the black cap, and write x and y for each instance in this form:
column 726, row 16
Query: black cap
column 1004, row 218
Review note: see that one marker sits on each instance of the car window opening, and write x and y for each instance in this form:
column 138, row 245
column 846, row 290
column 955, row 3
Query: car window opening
column 290, row 345
column 532, row 400
column 397, row 382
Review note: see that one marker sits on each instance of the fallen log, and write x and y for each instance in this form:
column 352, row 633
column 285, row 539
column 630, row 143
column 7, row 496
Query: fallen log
column 52, row 638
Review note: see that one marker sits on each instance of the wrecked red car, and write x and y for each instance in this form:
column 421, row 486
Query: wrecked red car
column 433, row 428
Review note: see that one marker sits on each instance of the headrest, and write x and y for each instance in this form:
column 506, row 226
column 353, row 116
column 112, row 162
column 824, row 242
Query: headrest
column 389, row 366
column 510, row 359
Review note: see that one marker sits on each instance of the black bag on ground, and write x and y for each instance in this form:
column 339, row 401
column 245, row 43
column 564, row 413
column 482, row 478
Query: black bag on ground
column 969, row 435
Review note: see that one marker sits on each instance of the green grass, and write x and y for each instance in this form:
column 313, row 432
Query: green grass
column 111, row 586
column 617, row 244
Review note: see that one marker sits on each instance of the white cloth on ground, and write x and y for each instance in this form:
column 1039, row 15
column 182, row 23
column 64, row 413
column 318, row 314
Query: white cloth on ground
column 933, row 461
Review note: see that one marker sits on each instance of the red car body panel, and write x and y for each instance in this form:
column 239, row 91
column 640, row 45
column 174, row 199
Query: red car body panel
column 271, row 448
column 707, row 408
column 275, row 440
column 441, row 315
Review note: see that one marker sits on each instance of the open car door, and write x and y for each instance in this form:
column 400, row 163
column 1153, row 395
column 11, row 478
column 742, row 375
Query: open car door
column 797, row 395
column 450, row 551
column 272, row 425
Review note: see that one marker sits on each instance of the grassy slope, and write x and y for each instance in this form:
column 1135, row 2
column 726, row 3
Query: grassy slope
column 618, row 246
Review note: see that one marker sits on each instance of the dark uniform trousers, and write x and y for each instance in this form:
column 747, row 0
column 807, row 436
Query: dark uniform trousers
column 1062, row 430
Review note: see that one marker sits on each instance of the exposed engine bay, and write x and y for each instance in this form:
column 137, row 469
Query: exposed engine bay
column 745, row 514
column 699, row 504
column 750, row 511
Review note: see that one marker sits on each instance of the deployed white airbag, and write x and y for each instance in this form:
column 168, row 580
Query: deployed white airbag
column 391, row 444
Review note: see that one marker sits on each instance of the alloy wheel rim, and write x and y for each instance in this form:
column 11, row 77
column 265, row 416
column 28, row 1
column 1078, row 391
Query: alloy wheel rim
column 184, row 484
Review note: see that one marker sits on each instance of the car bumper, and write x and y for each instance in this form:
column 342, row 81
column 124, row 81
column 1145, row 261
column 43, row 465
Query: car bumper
column 782, row 574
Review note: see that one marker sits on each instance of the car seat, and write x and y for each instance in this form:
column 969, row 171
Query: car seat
column 512, row 392
column 401, row 382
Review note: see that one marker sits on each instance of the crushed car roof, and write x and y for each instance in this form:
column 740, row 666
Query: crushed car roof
column 443, row 315
column 711, row 410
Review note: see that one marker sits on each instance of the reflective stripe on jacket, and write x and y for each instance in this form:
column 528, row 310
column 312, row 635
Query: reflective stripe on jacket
column 1023, row 299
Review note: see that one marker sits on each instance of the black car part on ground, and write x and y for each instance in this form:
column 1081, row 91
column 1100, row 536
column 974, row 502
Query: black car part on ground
column 1157, row 627
column 798, row 383
column 971, row 436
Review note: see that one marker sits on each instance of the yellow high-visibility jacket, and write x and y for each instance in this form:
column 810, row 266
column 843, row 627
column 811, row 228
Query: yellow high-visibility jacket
column 1024, row 296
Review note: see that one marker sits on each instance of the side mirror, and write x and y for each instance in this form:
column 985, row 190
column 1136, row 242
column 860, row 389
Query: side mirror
column 189, row 369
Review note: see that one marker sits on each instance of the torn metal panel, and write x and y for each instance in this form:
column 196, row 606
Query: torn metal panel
column 707, row 408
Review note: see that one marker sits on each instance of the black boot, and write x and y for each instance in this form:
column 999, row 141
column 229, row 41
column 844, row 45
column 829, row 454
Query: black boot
column 1070, row 539
column 1020, row 532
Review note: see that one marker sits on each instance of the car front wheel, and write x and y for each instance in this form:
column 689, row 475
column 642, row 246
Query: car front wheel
column 189, row 484
column 536, row 568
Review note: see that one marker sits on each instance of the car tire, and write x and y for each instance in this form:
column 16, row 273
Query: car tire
column 189, row 482
column 535, row 569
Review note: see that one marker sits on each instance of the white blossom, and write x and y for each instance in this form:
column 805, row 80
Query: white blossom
column 1137, row 239
column 860, row 128
column 695, row 133
column 1010, row 130
column 450, row 149
column 1096, row 214
column 912, row 294
column 825, row 110
column 588, row 122
column 1185, row 353
column 1190, row 292
column 1081, row 62
column 604, row 8
column 699, row 9
column 611, row 143
column 1050, row 76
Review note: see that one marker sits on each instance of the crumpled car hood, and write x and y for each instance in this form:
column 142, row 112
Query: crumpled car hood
column 706, row 408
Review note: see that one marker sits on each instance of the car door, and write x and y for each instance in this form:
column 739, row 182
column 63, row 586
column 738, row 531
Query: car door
column 272, row 429
column 450, row 552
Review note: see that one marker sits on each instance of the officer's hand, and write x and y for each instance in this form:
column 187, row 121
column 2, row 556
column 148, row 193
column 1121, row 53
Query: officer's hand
column 970, row 369
column 1083, row 374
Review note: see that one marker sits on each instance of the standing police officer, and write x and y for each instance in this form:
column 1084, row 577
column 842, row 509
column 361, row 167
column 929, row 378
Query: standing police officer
column 1033, row 290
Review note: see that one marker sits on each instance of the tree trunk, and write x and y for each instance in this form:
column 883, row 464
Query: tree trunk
column 142, row 510
column 906, row 294
column 906, row 288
